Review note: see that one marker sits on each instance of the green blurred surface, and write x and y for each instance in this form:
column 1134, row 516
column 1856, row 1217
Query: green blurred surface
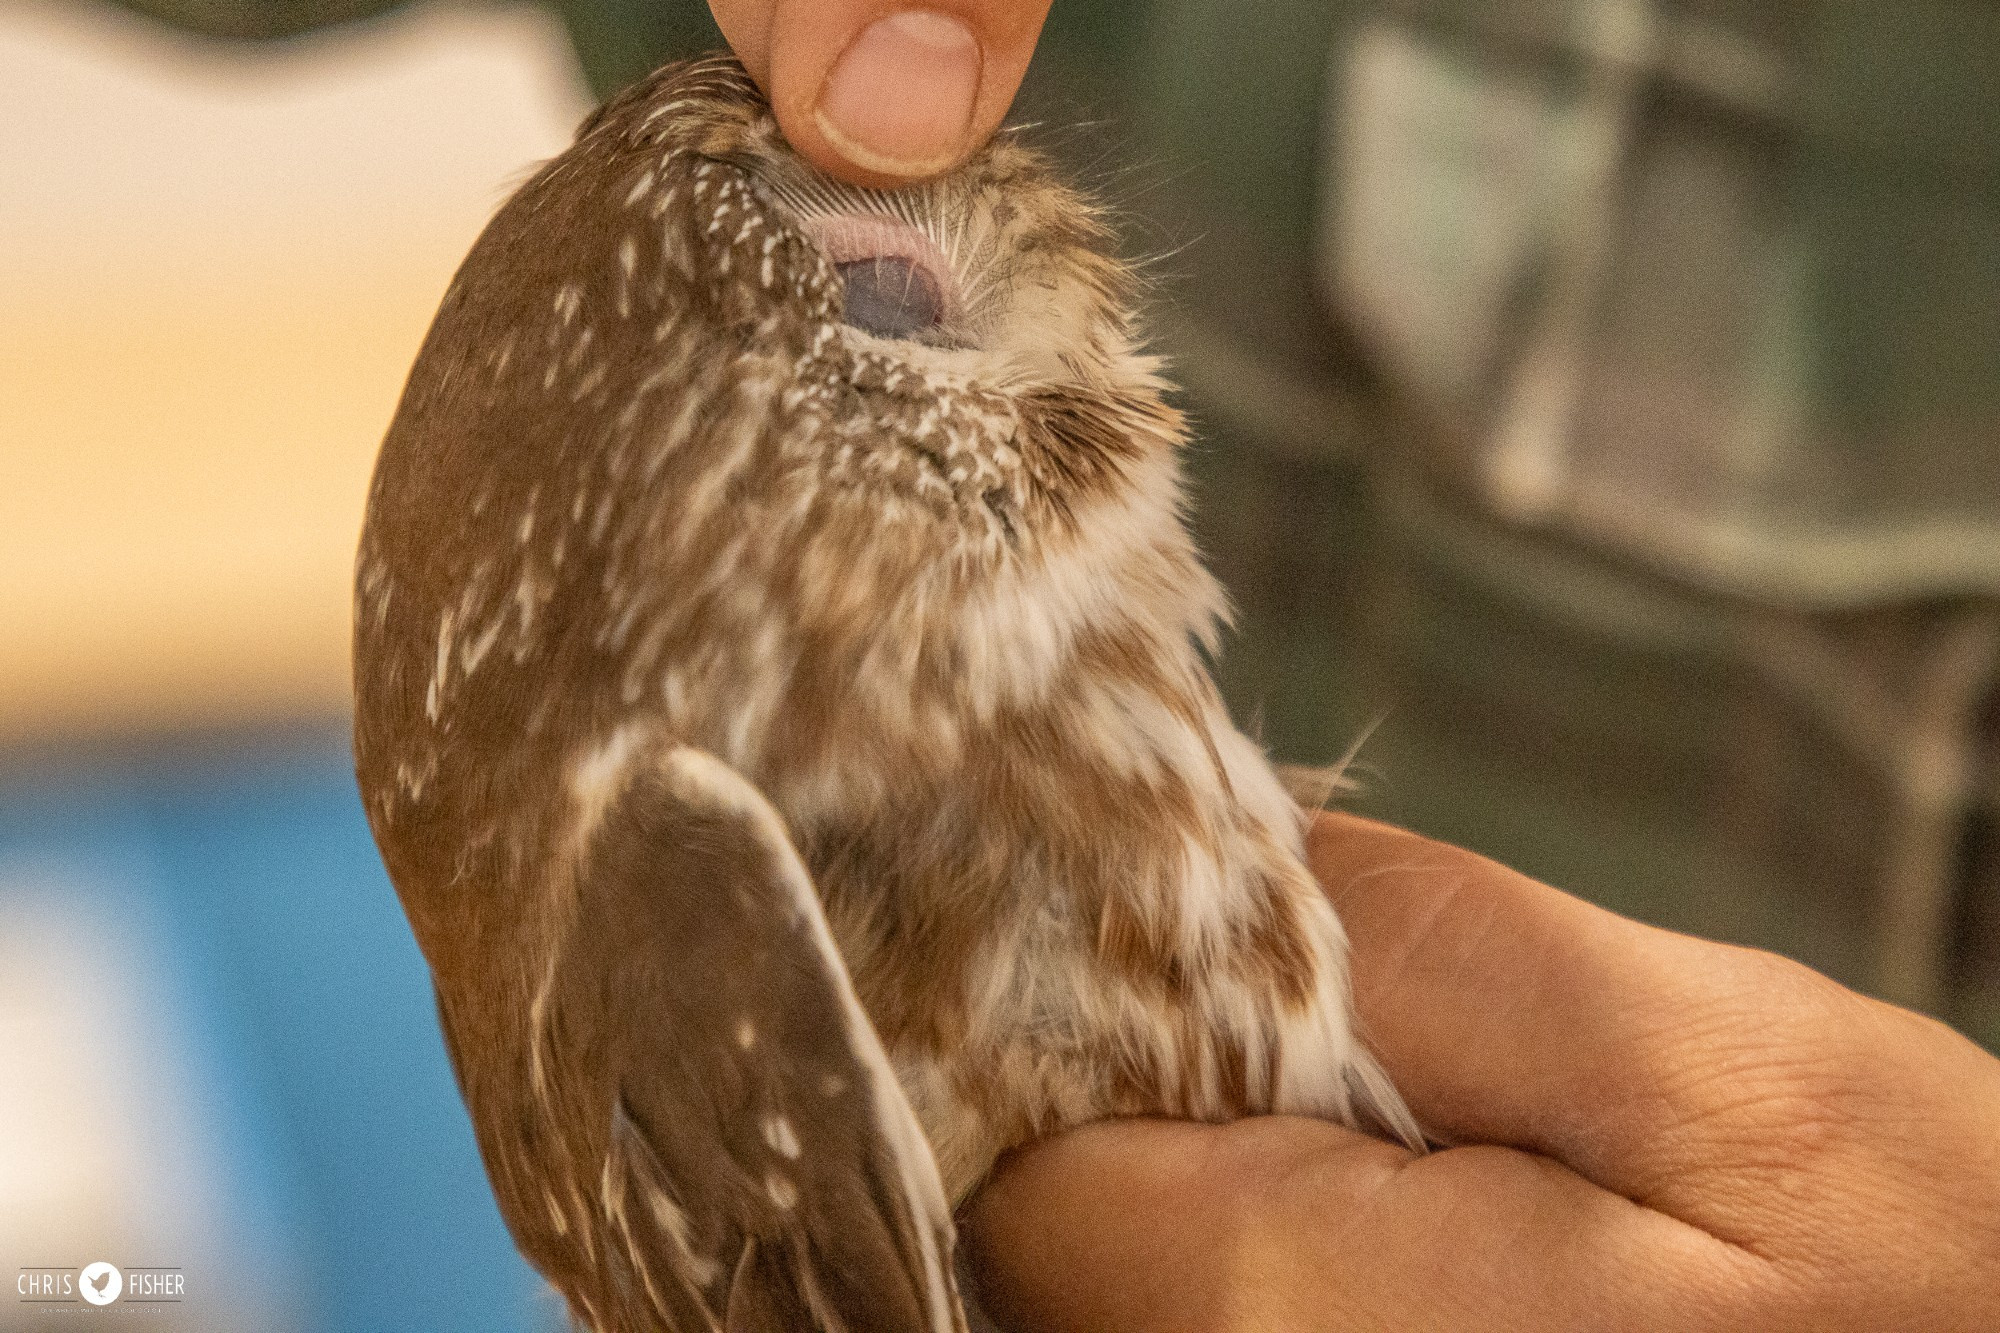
column 1562, row 707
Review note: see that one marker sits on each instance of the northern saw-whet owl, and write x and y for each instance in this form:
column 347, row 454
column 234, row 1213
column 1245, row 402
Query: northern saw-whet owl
column 781, row 706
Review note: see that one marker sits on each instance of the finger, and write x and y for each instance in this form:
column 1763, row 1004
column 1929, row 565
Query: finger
column 1673, row 1071
column 1277, row 1223
column 883, row 92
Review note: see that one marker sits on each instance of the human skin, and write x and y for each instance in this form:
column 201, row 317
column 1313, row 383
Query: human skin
column 879, row 92
column 1658, row 1133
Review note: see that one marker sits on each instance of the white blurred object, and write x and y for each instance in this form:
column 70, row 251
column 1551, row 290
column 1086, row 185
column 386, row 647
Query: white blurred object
column 1657, row 295
column 110, row 1138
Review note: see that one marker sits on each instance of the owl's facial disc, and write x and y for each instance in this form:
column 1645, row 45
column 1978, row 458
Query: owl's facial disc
column 895, row 281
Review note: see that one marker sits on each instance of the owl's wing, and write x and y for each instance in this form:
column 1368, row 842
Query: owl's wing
column 762, row 1169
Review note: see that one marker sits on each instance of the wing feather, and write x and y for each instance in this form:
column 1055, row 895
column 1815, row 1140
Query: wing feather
column 758, row 1164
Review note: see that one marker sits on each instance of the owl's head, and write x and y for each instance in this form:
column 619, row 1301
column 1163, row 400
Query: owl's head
column 679, row 279
column 996, row 272
column 680, row 196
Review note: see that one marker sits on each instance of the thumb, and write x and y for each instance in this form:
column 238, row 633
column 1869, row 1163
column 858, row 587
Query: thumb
column 1277, row 1223
column 883, row 92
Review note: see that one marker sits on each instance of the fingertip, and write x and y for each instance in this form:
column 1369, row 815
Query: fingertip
column 884, row 94
column 746, row 26
column 898, row 101
column 1109, row 1225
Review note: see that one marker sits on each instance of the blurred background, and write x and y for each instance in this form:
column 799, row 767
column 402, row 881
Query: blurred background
column 1598, row 399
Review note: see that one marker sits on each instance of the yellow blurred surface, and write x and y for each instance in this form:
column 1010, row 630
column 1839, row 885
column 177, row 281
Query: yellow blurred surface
column 219, row 265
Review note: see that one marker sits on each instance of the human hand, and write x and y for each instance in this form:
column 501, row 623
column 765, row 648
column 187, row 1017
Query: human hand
column 883, row 92
column 1674, row 1135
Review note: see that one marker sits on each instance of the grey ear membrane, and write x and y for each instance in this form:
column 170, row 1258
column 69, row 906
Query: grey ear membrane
column 891, row 297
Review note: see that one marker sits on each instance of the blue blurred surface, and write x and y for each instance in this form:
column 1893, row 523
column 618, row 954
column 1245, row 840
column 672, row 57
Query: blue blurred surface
column 298, row 988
